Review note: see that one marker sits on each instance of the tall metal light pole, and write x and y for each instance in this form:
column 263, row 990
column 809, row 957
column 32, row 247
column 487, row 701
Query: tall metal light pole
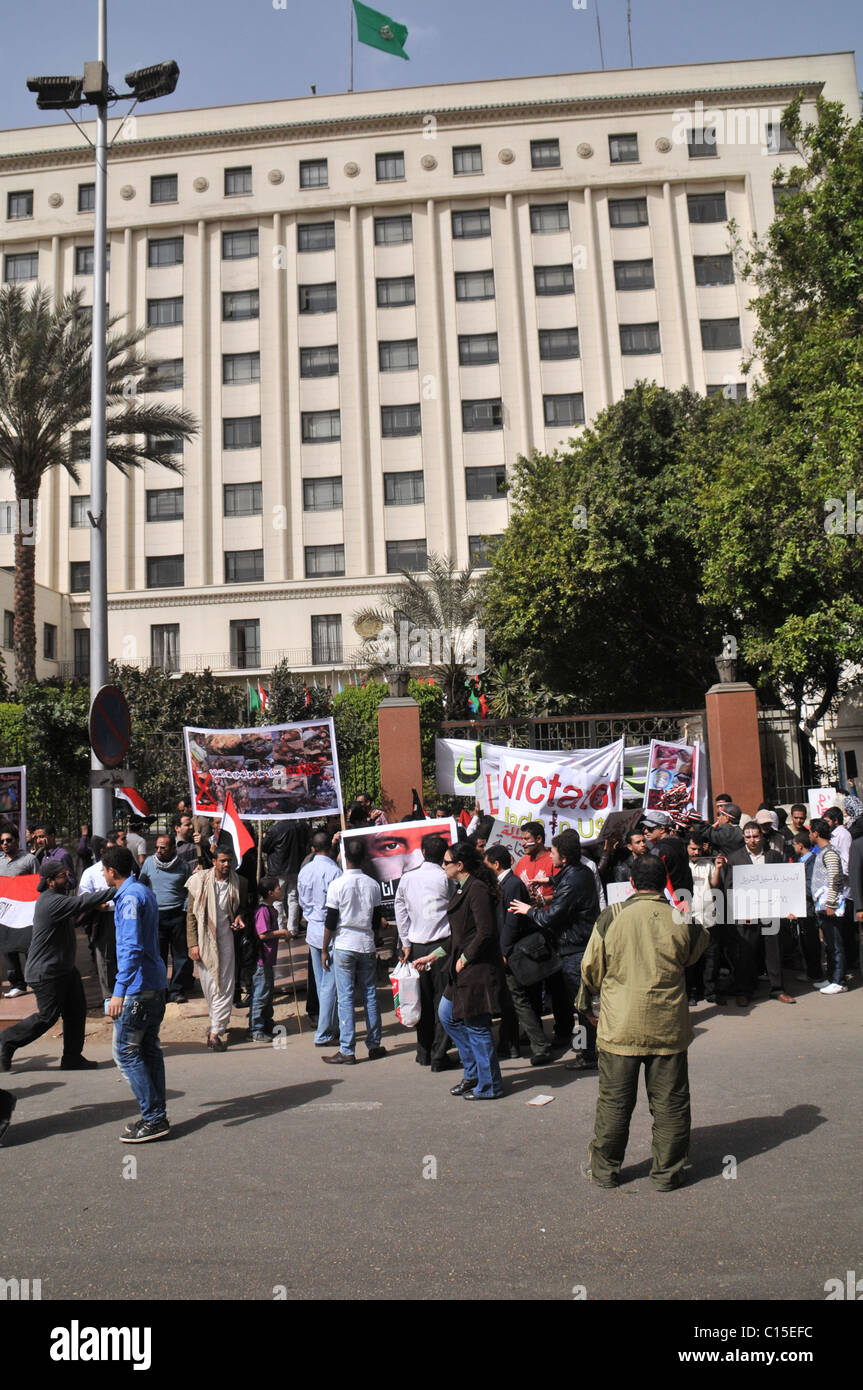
column 65, row 94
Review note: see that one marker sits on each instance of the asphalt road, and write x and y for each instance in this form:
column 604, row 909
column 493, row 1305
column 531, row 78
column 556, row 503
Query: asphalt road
column 285, row 1175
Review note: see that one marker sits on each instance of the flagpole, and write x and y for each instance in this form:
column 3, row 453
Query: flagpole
column 351, row 27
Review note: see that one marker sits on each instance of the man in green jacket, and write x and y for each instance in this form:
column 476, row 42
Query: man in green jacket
column 635, row 961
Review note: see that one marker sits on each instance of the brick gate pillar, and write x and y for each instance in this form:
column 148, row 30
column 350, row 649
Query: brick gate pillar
column 400, row 754
column 735, row 748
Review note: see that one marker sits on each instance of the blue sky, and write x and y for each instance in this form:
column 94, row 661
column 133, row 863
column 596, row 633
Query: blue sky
column 246, row 50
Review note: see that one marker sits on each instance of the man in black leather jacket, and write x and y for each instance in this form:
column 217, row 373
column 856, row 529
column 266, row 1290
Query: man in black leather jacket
column 568, row 919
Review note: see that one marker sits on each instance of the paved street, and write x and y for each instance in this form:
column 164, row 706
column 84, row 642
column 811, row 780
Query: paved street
column 282, row 1171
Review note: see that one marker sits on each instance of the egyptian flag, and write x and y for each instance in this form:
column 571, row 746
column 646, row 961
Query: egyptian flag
column 240, row 836
column 135, row 800
column 18, row 898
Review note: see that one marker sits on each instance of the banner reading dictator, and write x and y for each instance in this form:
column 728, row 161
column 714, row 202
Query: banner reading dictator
column 286, row 772
column 13, row 799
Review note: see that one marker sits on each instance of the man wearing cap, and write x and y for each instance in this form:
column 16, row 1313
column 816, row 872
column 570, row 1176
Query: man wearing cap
column 773, row 837
column 744, row 936
column 669, row 848
column 725, row 833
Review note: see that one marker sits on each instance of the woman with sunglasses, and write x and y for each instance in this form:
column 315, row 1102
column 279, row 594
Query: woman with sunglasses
column 473, row 992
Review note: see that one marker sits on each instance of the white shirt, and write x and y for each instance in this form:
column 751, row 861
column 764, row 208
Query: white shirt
column 356, row 896
column 223, row 921
column 841, row 841
column 421, row 904
column 93, row 881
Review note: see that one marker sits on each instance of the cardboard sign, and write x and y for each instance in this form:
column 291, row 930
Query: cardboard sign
column 766, row 892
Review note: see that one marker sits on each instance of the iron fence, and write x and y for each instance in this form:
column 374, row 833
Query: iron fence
column 563, row 731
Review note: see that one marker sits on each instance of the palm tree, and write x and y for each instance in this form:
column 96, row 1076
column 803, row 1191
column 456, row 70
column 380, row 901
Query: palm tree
column 440, row 607
column 44, row 396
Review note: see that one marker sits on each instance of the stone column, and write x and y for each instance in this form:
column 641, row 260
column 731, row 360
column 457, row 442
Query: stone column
column 734, row 745
column 400, row 754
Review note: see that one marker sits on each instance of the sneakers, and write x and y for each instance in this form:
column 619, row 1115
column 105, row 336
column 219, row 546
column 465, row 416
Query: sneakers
column 261, row 1037
column 818, row 984
column 834, row 989
column 143, row 1133
column 15, row 993
column 132, row 1127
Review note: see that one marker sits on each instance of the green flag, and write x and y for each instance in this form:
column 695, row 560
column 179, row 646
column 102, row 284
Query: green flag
column 255, row 702
column 379, row 31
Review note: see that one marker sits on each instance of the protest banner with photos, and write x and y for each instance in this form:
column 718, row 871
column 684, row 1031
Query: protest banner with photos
column 671, row 777
column 286, row 772
column 767, row 892
column 13, row 798
column 394, row 849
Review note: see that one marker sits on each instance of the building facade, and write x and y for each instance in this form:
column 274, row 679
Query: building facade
column 373, row 303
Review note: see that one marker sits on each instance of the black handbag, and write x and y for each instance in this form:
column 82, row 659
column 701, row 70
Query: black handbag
column 533, row 958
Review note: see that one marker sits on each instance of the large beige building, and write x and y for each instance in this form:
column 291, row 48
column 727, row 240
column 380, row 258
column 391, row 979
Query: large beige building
column 373, row 303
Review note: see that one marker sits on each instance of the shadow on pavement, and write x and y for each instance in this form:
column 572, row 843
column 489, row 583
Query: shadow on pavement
column 239, row 1110
column 711, row 1145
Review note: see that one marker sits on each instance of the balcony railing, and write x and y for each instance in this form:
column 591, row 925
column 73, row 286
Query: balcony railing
column 298, row 658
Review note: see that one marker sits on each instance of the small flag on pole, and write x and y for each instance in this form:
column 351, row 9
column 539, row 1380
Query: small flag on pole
column 135, row 800
column 379, row 31
column 231, row 822
column 258, row 697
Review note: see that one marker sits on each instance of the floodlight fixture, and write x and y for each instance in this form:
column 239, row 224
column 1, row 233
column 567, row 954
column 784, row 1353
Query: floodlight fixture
column 157, row 81
column 57, row 93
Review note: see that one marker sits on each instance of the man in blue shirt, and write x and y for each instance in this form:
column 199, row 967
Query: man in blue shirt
column 314, row 879
column 138, row 1003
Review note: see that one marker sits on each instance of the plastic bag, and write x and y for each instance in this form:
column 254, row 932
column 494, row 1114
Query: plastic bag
column 405, row 981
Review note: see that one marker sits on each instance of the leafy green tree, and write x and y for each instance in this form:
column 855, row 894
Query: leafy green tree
column 291, row 698
column 44, row 396
column 594, row 587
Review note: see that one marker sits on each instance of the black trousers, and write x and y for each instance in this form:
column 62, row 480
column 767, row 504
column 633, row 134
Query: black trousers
column 810, row 945
column 103, row 940
column 60, row 997
column 15, row 969
column 433, row 1040
column 748, row 943
column 312, row 1005
column 173, row 939
column 524, row 1007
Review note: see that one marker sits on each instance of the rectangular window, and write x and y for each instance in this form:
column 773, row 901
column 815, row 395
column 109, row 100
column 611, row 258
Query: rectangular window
column 564, row 410
column 778, row 139
column 78, row 509
column 243, row 499
column 407, row 555
column 85, row 257
column 639, row 337
column 240, row 304
column 714, row 270
column 719, row 334
column 19, row 205
column 701, row 141
column 165, row 571
column 321, row 426
column 623, row 149
column 316, row 236
column 482, row 483
column 627, row 212
column 482, row 415
column 326, row 639
column 81, row 638
column 163, row 188
column 165, row 646
column 707, row 207
column 404, row 489
column 781, row 194
column 165, row 504
column 79, row 576
column 165, row 376
column 313, row 173
column 471, row 225
column 165, row 250
column 317, row 299
column 86, row 197
column 390, row 231
column 549, row 217
column 545, row 154
column 8, row 629
column 324, row 561
column 467, row 159
column 319, row 361
column 240, row 246
column 49, row 642
column 79, row 444
column 479, row 549
column 558, row 344
column 477, row 349
column 395, row 291
column 163, row 313
column 238, row 181
column 244, row 566
column 389, row 166
column 398, row 421
column 242, row 432
column 238, row 368
column 729, row 390
column 554, row 279
column 474, row 284
column 22, row 265
column 633, row 275
column 322, row 494
column 400, row 355
column 165, row 444
column 245, row 643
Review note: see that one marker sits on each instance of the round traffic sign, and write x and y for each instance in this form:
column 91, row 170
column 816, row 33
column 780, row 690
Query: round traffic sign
column 110, row 726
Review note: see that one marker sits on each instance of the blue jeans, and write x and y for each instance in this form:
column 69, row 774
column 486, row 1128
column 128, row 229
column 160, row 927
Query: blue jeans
column 356, row 970
column 831, row 928
column 328, row 1002
column 473, row 1038
column 261, row 1007
column 138, row 1054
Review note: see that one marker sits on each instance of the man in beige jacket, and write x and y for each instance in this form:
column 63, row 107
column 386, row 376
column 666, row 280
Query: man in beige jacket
column 214, row 912
column 635, row 961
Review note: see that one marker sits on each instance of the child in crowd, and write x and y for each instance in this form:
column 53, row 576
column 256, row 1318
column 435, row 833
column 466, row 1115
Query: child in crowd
column 268, row 937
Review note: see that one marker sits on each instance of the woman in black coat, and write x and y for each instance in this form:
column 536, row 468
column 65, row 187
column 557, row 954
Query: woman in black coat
column 473, row 992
